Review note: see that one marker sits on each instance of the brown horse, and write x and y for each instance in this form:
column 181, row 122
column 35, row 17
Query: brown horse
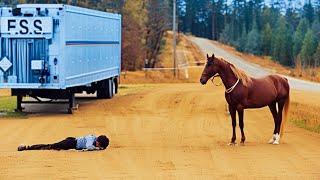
column 244, row 92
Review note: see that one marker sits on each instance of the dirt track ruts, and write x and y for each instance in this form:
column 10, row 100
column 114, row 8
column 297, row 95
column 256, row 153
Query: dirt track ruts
column 168, row 131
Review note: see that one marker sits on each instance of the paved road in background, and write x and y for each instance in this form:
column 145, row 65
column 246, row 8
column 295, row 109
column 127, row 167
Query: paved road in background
column 254, row 70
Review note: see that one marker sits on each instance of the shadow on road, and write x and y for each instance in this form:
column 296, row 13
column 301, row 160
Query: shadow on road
column 57, row 107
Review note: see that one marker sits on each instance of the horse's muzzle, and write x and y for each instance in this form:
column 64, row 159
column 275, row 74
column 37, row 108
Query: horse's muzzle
column 203, row 81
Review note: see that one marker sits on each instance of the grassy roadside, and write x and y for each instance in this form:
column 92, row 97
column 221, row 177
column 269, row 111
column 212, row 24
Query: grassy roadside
column 305, row 116
column 7, row 107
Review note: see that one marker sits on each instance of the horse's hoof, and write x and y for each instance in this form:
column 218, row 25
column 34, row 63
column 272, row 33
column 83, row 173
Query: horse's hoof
column 274, row 137
column 277, row 139
column 271, row 141
column 276, row 143
column 232, row 144
column 242, row 143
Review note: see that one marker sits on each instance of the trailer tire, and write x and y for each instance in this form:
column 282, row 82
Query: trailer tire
column 110, row 88
column 101, row 94
column 104, row 90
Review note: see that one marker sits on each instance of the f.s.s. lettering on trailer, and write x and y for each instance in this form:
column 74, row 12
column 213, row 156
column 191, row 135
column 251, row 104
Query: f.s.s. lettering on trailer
column 26, row 26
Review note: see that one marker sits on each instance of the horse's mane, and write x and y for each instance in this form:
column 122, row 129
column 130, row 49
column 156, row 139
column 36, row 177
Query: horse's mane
column 240, row 74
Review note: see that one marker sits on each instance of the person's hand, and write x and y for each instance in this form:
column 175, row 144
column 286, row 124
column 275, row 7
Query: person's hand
column 98, row 148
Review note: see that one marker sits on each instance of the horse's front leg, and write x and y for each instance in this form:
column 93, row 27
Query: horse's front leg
column 241, row 124
column 232, row 111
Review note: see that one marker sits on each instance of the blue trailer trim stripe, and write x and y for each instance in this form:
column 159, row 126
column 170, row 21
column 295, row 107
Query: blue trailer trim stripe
column 68, row 43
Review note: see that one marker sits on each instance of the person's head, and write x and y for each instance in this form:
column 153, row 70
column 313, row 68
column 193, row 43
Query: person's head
column 102, row 142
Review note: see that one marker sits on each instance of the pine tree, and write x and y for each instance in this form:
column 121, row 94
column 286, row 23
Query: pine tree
column 299, row 36
column 266, row 39
column 242, row 41
column 308, row 12
column 309, row 46
column 292, row 17
column 217, row 19
column 316, row 56
column 225, row 35
column 282, row 44
column 253, row 44
column 316, row 29
column 317, row 9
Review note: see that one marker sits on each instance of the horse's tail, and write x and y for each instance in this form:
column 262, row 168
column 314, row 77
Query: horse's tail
column 285, row 115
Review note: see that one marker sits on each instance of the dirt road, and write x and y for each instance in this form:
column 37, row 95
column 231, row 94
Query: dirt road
column 207, row 46
column 173, row 131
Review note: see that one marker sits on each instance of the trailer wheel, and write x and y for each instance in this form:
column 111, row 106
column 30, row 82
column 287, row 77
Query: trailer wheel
column 110, row 88
column 105, row 89
column 101, row 93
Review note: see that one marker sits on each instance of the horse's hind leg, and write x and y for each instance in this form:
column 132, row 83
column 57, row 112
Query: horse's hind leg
column 241, row 125
column 273, row 109
column 279, row 118
column 234, row 124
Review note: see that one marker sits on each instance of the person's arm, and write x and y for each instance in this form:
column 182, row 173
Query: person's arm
column 90, row 142
column 91, row 148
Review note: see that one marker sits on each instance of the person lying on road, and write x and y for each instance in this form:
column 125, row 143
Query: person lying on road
column 84, row 143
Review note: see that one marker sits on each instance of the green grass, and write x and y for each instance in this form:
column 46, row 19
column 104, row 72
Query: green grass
column 7, row 104
column 302, row 123
column 305, row 116
column 7, row 107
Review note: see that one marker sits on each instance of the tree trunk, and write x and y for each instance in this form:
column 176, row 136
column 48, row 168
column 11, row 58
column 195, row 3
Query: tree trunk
column 213, row 23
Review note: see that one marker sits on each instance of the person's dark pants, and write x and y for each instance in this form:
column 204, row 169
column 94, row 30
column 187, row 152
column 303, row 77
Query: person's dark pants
column 68, row 143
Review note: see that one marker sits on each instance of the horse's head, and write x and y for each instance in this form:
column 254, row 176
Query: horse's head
column 210, row 69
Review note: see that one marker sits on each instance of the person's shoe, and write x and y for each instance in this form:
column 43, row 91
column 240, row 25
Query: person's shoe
column 22, row 147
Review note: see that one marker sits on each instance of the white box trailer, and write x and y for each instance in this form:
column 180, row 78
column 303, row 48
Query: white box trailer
column 54, row 51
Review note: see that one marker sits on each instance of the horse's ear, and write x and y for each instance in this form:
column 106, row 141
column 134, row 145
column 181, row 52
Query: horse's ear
column 207, row 56
column 212, row 55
